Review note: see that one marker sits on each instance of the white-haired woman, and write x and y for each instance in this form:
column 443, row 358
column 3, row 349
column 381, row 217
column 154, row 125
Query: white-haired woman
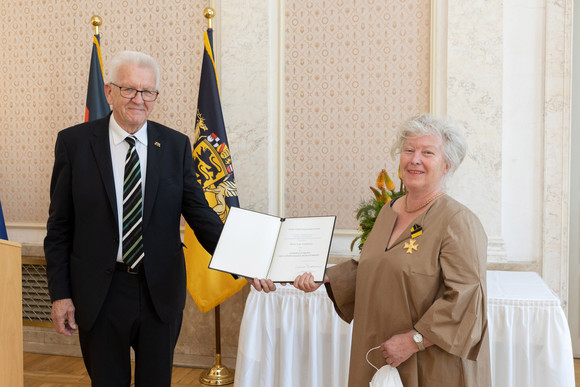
column 418, row 290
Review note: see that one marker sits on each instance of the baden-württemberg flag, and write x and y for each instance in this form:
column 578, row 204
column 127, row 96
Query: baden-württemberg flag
column 213, row 165
column 3, row 233
column 97, row 105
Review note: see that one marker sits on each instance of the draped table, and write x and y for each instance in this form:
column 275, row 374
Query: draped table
column 528, row 332
column 290, row 338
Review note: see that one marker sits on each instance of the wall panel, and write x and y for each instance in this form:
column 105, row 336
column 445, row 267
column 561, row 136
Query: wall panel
column 354, row 71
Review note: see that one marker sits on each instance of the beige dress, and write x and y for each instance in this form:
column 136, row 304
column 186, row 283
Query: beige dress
column 439, row 289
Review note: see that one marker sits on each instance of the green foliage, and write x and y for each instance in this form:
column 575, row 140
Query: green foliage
column 368, row 210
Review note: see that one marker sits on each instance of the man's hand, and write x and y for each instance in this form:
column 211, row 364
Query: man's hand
column 264, row 285
column 63, row 316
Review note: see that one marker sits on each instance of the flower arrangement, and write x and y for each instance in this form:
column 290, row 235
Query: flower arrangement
column 369, row 209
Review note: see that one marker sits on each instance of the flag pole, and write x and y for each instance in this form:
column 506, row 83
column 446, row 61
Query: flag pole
column 218, row 375
column 97, row 105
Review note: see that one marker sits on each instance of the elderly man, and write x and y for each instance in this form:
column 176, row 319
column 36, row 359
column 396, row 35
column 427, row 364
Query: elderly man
column 114, row 254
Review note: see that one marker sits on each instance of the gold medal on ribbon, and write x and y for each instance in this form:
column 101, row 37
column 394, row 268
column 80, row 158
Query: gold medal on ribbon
column 412, row 245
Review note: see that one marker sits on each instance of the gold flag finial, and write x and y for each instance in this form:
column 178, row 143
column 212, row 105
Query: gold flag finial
column 96, row 21
column 209, row 14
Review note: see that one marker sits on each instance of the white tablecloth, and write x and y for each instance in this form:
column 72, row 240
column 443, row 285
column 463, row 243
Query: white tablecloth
column 289, row 338
column 529, row 334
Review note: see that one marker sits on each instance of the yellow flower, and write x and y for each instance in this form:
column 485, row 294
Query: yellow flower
column 381, row 179
column 378, row 195
column 388, row 181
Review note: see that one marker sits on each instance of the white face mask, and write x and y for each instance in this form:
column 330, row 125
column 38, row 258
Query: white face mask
column 386, row 376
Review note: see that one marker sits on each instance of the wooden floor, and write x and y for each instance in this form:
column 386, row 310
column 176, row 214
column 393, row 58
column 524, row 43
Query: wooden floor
column 62, row 371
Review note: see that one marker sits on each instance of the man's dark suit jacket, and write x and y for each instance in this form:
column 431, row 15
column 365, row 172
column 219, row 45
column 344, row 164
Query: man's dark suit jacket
column 82, row 238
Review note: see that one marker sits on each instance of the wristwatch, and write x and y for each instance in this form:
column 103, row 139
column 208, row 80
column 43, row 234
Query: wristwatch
column 418, row 338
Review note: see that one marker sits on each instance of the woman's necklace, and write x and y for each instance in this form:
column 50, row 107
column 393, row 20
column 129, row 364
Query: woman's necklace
column 437, row 195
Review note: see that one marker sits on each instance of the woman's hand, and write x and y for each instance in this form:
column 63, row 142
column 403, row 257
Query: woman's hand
column 264, row 285
column 399, row 348
column 305, row 282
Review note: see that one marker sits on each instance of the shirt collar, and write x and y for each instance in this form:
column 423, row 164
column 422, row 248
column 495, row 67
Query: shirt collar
column 119, row 134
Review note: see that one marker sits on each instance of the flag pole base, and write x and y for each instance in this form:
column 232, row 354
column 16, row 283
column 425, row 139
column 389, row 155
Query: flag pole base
column 218, row 375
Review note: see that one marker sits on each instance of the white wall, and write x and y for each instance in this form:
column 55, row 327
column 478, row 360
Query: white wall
column 522, row 177
column 508, row 81
column 574, row 281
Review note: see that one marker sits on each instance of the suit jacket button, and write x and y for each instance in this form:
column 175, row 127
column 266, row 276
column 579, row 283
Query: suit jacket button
column 116, row 239
column 109, row 271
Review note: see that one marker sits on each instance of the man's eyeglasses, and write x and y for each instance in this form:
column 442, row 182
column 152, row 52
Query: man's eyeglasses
column 129, row 93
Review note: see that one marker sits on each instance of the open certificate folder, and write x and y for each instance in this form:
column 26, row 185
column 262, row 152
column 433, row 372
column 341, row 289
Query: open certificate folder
column 258, row 245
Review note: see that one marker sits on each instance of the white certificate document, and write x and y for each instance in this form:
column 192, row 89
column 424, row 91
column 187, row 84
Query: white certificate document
column 258, row 245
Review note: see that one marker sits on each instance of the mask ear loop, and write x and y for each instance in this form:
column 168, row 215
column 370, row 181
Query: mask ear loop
column 367, row 356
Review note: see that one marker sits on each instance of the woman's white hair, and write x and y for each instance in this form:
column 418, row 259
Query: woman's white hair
column 136, row 58
column 454, row 143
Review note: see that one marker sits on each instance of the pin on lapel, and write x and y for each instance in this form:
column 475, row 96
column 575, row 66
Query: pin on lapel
column 416, row 230
column 412, row 245
column 157, row 144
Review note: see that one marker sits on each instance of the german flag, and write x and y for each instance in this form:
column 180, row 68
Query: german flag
column 213, row 166
column 97, row 105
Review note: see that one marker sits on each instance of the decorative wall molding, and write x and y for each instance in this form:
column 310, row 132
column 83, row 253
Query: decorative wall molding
column 496, row 250
column 484, row 95
column 556, row 190
column 438, row 70
column 26, row 233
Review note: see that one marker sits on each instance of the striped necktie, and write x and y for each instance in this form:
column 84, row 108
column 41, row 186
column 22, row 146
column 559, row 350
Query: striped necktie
column 132, row 208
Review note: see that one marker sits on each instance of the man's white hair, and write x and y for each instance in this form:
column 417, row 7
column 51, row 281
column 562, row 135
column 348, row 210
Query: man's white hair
column 136, row 58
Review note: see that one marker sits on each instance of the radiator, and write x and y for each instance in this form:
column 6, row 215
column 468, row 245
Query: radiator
column 36, row 305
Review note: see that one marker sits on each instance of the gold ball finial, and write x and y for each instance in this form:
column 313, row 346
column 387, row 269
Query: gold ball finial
column 209, row 14
column 96, row 21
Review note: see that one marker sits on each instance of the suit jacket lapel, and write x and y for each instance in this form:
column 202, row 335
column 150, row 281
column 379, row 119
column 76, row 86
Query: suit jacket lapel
column 154, row 154
column 102, row 152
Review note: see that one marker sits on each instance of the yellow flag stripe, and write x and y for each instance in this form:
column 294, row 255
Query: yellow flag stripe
column 96, row 42
column 210, row 53
column 212, row 287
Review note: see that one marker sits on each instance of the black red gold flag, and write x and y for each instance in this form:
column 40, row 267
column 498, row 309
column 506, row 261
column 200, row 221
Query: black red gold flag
column 97, row 105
